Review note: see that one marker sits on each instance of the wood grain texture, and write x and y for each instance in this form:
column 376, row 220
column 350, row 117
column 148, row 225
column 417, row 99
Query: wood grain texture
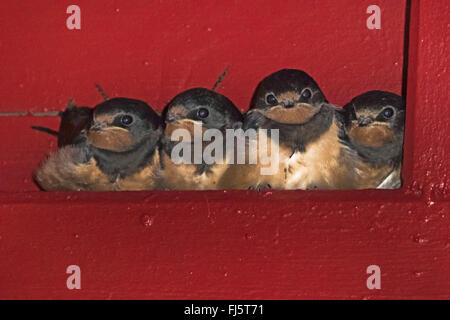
column 201, row 245
column 153, row 50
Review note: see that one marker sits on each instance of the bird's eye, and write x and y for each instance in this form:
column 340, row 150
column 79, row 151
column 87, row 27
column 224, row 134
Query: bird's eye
column 388, row 113
column 271, row 100
column 126, row 120
column 306, row 94
column 203, row 113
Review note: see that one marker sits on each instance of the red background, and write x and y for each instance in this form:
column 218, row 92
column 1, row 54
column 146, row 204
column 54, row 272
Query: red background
column 223, row 244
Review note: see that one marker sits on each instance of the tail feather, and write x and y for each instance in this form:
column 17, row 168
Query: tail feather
column 220, row 79
column 102, row 92
column 46, row 130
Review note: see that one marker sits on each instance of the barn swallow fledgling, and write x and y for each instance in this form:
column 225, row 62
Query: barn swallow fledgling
column 195, row 107
column 116, row 151
column 374, row 126
column 310, row 133
column 74, row 120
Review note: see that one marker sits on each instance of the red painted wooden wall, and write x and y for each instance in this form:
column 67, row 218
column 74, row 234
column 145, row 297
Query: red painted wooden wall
column 222, row 244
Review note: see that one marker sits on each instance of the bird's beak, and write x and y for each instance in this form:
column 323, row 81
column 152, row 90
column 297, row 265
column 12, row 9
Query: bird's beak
column 364, row 121
column 176, row 113
column 170, row 118
column 103, row 127
column 298, row 113
column 97, row 127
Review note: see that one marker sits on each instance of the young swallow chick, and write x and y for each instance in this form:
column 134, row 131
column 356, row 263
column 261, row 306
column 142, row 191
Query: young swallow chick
column 309, row 129
column 116, row 151
column 74, row 120
column 375, row 123
column 197, row 112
